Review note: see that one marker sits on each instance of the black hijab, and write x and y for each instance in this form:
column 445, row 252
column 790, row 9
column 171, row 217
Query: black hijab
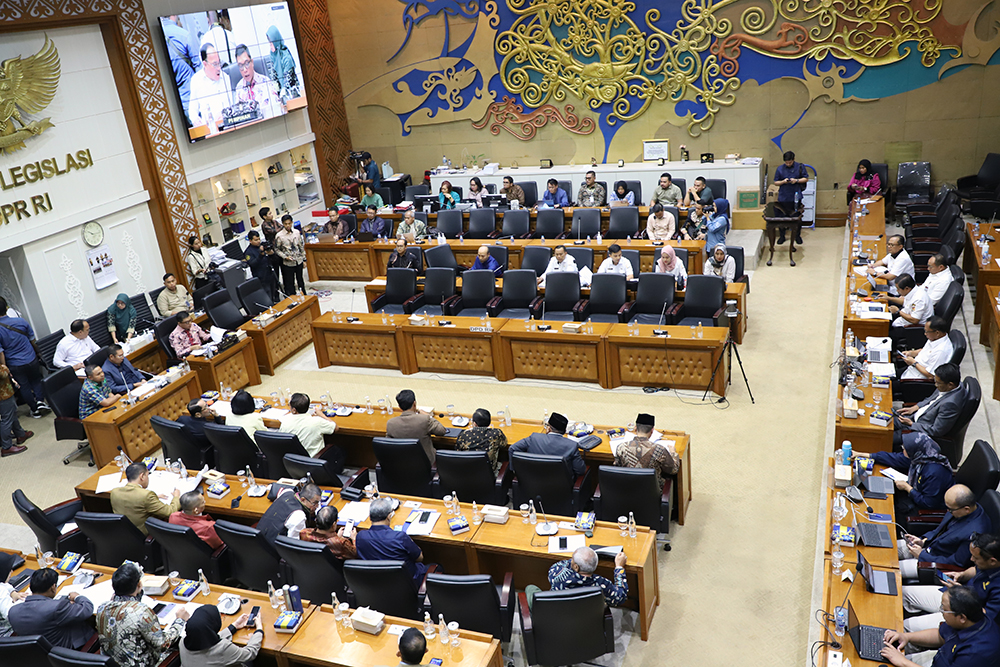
column 6, row 562
column 202, row 629
column 868, row 171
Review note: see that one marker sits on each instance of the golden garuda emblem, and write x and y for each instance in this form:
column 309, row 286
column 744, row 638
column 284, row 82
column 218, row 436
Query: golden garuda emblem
column 27, row 85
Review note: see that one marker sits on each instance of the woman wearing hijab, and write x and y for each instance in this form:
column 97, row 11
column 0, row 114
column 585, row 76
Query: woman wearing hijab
column 864, row 183
column 928, row 475
column 621, row 195
column 721, row 264
column 8, row 596
column 282, row 66
column 199, row 262
column 122, row 319
column 206, row 644
column 668, row 263
column 718, row 224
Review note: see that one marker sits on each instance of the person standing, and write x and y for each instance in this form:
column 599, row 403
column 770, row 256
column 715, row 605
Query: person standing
column 76, row 347
column 17, row 352
column 791, row 179
column 259, row 261
column 174, row 297
column 290, row 513
column 10, row 427
column 122, row 319
column 199, row 262
column 291, row 248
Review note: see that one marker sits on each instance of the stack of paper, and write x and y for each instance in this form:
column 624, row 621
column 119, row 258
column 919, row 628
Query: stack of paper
column 274, row 413
column 356, row 511
column 105, row 483
column 143, row 389
column 424, row 528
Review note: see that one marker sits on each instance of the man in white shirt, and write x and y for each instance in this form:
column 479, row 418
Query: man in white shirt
column 255, row 87
column 938, row 277
column 75, row 348
column 615, row 263
column 560, row 261
column 896, row 263
column 936, row 351
column 917, row 306
column 309, row 429
column 211, row 91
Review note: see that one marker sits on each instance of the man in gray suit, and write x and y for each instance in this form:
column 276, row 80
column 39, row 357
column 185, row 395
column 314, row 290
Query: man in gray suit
column 553, row 442
column 936, row 414
column 414, row 424
column 64, row 622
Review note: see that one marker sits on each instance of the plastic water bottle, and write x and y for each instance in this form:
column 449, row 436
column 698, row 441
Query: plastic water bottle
column 506, row 415
column 368, row 405
column 631, row 525
column 840, row 622
column 477, row 518
column 543, row 238
column 701, row 330
column 203, row 583
column 272, row 596
column 846, row 447
column 599, row 237
column 628, row 240
column 429, row 630
column 532, row 515
column 443, row 630
column 849, row 338
column 854, row 283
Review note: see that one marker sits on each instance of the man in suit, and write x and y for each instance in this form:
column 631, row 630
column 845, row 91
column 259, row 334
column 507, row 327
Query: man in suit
column 414, row 424
column 137, row 502
column 936, row 414
column 64, row 622
column 199, row 414
column 553, row 442
column 948, row 543
column 121, row 374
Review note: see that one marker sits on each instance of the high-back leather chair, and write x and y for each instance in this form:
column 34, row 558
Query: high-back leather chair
column 566, row 627
column 162, row 331
column 636, row 189
column 991, row 505
column 586, row 222
column 520, row 289
column 704, row 302
column 112, row 538
column 584, row 257
column 253, row 298
column 607, row 297
column 449, row 223
column 142, row 310
column 47, row 348
column 234, row 450
column 623, row 490
column 47, row 524
column 402, row 467
column 313, row 568
column 222, row 311
column 274, row 445
column 99, row 329
column 516, row 224
column 322, row 471
column 654, row 300
column 470, row 475
column 736, row 252
column 400, row 287
column 951, row 443
column 476, row 600
column 252, row 559
column 177, row 445
column 550, row 223
column 482, row 223
column 633, row 258
column 67, row 657
column 530, row 189
column 62, row 389
column 478, row 289
column 718, row 186
column 950, row 303
column 986, row 180
column 184, row 551
column 501, row 254
column 199, row 295
column 24, row 650
column 980, row 470
column 681, row 183
column 535, row 258
column 441, row 256
column 98, row 358
column 416, row 191
column 913, row 182
column 439, row 286
column 624, row 222
column 549, row 477
column 567, row 187
column 562, row 294
column 386, row 585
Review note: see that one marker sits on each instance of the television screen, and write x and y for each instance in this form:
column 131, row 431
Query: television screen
column 233, row 67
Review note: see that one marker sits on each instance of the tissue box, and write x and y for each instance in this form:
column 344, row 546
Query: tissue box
column 288, row 621
column 842, row 476
column 850, row 408
column 186, row 590
column 368, row 620
column 880, row 418
column 852, row 354
column 845, row 535
column 572, row 327
column 155, row 584
column 417, row 320
column 212, row 476
column 495, row 514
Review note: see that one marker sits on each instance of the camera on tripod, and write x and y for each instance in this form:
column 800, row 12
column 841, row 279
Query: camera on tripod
column 356, row 155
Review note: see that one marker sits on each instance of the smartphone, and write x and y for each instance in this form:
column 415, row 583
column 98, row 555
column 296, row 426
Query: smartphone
column 436, row 661
column 253, row 615
column 562, row 543
column 349, row 526
column 424, row 516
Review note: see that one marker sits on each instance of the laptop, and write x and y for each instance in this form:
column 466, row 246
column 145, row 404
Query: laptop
column 881, row 582
column 873, row 534
column 877, row 287
column 365, row 237
column 878, row 484
column 867, row 639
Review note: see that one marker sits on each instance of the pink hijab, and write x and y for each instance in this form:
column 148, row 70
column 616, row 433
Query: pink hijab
column 668, row 258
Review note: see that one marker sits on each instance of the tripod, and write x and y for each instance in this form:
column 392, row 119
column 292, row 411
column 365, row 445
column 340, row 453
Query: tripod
column 728, row 349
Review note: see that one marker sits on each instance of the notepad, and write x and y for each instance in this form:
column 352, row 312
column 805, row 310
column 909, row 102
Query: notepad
column 105, row 483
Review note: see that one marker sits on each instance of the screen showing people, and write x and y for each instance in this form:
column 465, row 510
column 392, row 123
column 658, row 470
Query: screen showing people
column 233, row 67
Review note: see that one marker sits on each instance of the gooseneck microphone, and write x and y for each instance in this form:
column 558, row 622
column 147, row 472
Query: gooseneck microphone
column 546, row 527
column 351, row 317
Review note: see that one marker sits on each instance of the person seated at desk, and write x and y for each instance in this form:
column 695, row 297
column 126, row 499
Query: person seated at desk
column 666, row 192
column 326, row 532
column 290, row 513
column 95, row 394
column 76, row 347
column 948, row 543
column 929, row 476
column 174, row 297
column 413, row 423
column 668, row 263
column 244, row 414
column 698, row 193
column 121, row 374
column 137, row 502
column 915, row 306
column 199, row 413
column 371, row 198
column 621, row 195
column 187, row 336
column 122, row 319
column 639, row 452
column 310, row 429
column 64, row 622
column 560, row 261
column 336, row 226
column 935, row 415
column 476, row 191
column 511, row 191
column 412, row 647
column 897, row 261
column 554, row 196
column 411, row 224
column 982, row 579
column 591, row 193
column 207, row 644
column 258, row 260
column 864, row 183
column 924, row 362
column 401, row 259
column 614, row 263
column 965, row 637
column 373, row 224
column 447, row 198
column 720, row 263
column 552, row 441
column 484, row 260
column 192, row 514
column 381, row 542
column 8, row 596
column 578, row 572
column 130, row 631
column 661, row 225
column 483, row 438
column 938, row 277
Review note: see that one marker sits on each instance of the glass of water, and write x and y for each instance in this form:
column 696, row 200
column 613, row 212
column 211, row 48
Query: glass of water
column 877, row 398
column 453, row 633
column 242, row 476
column 451, row 412
column 524, row 512
column 381, row 406
column 447, row 503
column 623, row 525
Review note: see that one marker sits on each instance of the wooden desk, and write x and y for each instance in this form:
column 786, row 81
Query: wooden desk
column 991, row 325
column 552, row 355
column 128, row 427
column 865, row 436
column 972, row 263
column 284, row 336
column 679, row 362
column 235, row 367
column 149, row 357
column 465, row 253
column 647, row 251
column 883, row 611
column 877, row 556
column 367, row 343
column 453, row 349
column 338, row 261
column 862, row 328
column 872, row 224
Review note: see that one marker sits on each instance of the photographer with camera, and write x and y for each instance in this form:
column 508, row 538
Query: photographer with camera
column 258, row 258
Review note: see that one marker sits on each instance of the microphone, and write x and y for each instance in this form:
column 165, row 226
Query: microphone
column 260, row 305
column 546, row 527
column 351, row 318
column 663, row 314
column 543, row 310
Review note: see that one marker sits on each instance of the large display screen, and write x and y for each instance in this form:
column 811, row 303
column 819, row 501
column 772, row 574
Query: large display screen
column 233, row 67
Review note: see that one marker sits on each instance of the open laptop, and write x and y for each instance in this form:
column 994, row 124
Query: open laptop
column 881, row 582
column 878, row 484
column 867, row 639
column 873, row 534
column 877, row 287
column 365, row 237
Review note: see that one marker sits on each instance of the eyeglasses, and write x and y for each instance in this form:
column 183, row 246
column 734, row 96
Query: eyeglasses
column 245, row 66
column 942, row 610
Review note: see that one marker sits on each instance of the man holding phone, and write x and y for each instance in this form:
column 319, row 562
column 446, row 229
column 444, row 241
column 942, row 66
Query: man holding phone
column 948, row 543
column 579, row 572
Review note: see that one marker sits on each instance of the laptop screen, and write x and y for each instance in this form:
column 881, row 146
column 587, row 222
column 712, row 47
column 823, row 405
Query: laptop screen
column 864, row 567
column 852, row 618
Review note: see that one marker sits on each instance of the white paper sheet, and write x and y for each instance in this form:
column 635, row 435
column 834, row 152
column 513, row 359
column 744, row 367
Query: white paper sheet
column 356, row 511
column 573, row 542
column 105, row 483
column 894, row 475
column 426, row 527
column 100, row 593
column 169, row 617
column 68, row 526
column 216, row 333
column 274, row 413
column 200, row 352
column 888, row 370
column 875, row 315
column 143, row 389
column 223, row 408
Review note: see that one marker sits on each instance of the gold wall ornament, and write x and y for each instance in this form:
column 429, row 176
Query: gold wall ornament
column 26, row 85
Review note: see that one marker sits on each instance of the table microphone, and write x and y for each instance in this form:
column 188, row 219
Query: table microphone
column 351, row 318
column 663, row 314
column 266, row 308
column 546, row 527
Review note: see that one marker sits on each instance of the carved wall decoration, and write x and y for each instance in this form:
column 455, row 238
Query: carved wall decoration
column 510, row 117
column 74, row 289
column 133, row 262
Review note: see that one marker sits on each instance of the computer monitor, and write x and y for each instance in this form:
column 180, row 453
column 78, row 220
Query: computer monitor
column 494, row 201
column 426, row 203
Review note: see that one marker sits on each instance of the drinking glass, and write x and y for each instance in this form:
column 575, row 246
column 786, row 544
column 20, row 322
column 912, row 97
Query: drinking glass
column 274, row 398
column 175, row 578
column 337, row 614
column 345, row 611
column 623, row 525
column 47, row 559
column 447, row 503
column 325, row 400
column 242, row 476
column 336, row 316
column 631, row 427
column 501, row 417
column 381, row 406
column 877, row 398
column 524, row 512
column 453, row 633
column 369, row 491
column 451, row 412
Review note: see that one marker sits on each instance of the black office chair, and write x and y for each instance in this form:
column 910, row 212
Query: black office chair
column 636, row 188
column 403, row 467
column 718, row 186
column 584, row 257
column 566, row 627
column 98, row 358
column 916, row 390
column 654, row 300
column 162, row 332
column 535, row 259
column 67, row 657
column 62, row 389
column 449, row 223
column 313, row 568
column 520, row 289
column 47, row 348
column 882, row 169
column 418, row 255
column 439, row 286
column 386, row 195
column 952, row 442
column 185, row 552
column 550, row 223
column 736, row 252
column 478, row 289
column 199, row 295
column 516, row 224
column 351, row 220
column 681, row 183
column 99, row 329
column 704, row 302
column 24, row 650
column 530, row 189
column 567, row 187
column 234, row 450
column 624, row 222
column 112, row 538
column 457, row 189
column 442, row 256
column 991, row 505
column 47, row 524
column 561, row 299
column 323, row 471
column 253, row 298
column 386, row 585
column 586, row 223
column 252, row 559
column 607, row 297
column 980, row 470
column 142, row 310
column 482, row 223
column 633, row 258
column 984, row 182
column 223, row 312
column 562, row 493
column 501, row 254
column 474, row 598
column 416, row 191
column 400, row 287
column 491, row 188
column 274, row 445
column 470, row 475
column 623, row 490
column 177, row 445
